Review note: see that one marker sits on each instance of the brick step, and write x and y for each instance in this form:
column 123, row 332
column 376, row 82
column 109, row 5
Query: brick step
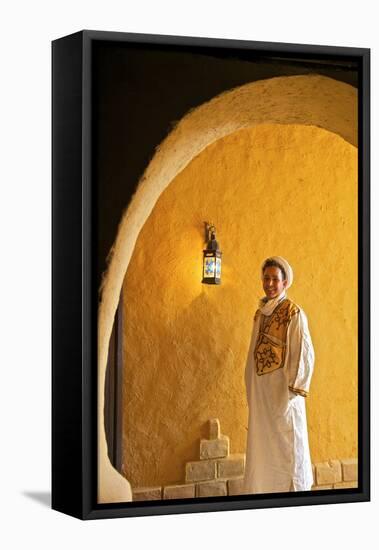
column 206, row 470
column 219, row 473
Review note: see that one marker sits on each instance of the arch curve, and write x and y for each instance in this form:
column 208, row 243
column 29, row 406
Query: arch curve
column 308, row 100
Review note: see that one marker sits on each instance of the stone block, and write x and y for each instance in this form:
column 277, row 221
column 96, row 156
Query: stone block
column 321, row 487
column 236, row 486
column 328, row 472
column 350, row 469
column 211, row 489
column 214, row 428
column 179, row 491
column 202, row 470
column 233, row 466
column 336, row 467
column 346, row 485
column 147, row 493
column 214, row 448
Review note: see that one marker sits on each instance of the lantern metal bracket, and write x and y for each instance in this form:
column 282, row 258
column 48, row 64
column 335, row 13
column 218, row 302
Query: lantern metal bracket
column 211, row 257
column 209, row 228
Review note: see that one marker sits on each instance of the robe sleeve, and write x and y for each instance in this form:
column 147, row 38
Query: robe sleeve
column 248, row 373
column 249, row 362
column 301, row 356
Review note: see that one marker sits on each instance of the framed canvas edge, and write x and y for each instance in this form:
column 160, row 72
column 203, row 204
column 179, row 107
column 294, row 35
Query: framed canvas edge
column 90, row 509
column 67, row 364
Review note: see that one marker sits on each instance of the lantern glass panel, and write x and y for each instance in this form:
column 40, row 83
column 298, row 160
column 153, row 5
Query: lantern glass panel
column 218, row 268
column 209, row 266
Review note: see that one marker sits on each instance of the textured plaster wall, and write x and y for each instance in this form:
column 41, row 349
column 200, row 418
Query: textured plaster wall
column 272, row 189
column 309, row 100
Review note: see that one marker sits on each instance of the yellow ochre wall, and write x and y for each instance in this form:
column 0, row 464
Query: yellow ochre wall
column 273, row 189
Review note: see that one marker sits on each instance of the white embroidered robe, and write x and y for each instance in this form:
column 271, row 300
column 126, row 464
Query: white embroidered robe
column 277, row 453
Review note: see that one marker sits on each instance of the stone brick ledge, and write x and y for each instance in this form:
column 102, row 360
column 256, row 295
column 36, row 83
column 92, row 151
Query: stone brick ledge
column 179, row 491
column 328, row 472
column 214, row 448
column 215, row 488
column 219, row 473
column 147, row 493
column 346, row 485
column 207, row 470
column 336, row 474
column 214, row 428
column 233, row 466
column 201, row 470
column 349, row 469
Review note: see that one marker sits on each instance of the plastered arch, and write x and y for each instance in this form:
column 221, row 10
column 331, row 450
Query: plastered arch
column 309, row 100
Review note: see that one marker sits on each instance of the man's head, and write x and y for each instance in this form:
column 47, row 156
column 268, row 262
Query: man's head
column 276, row 276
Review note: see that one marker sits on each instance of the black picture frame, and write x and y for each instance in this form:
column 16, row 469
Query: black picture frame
column 75, row 274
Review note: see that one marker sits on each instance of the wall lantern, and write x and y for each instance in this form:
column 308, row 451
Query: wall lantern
column 211, row 257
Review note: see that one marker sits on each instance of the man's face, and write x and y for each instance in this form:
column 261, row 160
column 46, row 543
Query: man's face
column 273, row 282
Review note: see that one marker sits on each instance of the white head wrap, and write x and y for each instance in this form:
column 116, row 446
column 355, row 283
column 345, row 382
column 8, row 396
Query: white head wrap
column 285, row 265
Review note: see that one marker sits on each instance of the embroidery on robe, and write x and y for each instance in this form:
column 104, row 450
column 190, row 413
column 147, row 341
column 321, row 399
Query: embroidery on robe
column 270, row 349
column 298, row 391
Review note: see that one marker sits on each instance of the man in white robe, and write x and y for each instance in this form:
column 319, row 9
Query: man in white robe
column 278, row 373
